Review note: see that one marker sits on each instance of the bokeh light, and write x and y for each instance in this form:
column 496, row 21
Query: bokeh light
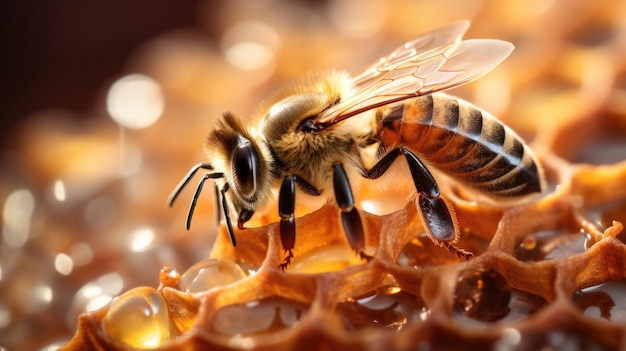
column 17, row 212
column 59, row 190
column 63, row 264
column 135, row 101
column 141, row 239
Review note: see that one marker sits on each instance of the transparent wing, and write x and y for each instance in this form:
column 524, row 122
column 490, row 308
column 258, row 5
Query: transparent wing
column 439, row 37
column 414, row 73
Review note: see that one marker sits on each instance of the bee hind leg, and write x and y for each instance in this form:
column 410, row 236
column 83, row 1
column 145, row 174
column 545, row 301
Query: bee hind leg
column 286, row 206
column 441, row 224
column 350, row 218
column 439, row 219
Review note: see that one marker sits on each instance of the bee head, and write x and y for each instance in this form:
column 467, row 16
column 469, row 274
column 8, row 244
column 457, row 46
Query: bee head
column 246, row 163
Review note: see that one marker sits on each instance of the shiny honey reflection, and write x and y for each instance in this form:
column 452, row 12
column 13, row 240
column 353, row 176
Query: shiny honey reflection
column 210, row 273
column 265, row 316
column 387, row 307
column 484, row 295
column 550, row 244
column 327, row 258
column 604, row 301
column 421, row 252
column 138, row 318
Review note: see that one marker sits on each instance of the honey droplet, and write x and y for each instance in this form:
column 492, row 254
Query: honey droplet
column 529, row 243
column 482, row 294
column 138, row 318
column 328, row 258
column 169, row 276
column 210, row 273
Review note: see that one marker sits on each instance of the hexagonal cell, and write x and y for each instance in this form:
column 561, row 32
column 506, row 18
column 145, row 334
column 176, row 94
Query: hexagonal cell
column 604, row 215
column 264, row 316
column 421, row 252
column 550, row 244
column 484, row 295
column 210, row 273
column 327, row 258
column 569, row 337
column 387, row 307
column 605, row 301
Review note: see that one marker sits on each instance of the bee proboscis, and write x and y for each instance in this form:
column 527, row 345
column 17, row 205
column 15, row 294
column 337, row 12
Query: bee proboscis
column 312, row 137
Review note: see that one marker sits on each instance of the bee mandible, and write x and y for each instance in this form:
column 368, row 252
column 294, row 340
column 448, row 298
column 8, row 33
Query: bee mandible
column 312, row 136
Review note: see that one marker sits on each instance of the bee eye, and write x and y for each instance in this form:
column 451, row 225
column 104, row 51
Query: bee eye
column 245, row 164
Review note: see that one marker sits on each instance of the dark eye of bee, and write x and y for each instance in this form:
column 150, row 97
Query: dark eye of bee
column 245, row 163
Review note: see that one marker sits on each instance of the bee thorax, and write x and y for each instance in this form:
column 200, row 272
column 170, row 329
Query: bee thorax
column 311, row 156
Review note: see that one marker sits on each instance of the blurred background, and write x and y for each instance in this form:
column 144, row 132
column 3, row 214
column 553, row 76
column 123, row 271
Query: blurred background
column 105, row 106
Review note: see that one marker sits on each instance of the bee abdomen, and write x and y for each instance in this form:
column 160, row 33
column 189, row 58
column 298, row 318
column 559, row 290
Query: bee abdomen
column 468, row 144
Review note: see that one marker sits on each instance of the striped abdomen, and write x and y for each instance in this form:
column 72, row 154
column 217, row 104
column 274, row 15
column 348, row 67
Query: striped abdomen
column 466, row 143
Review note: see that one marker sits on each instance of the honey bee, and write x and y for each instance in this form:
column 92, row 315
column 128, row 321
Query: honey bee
column 313, row 136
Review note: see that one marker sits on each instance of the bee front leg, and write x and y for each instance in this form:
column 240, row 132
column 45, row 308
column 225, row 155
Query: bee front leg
column 229, row 225
column 350, row 217
column 286, row 206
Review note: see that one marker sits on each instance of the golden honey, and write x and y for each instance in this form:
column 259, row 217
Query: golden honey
column 139, row 318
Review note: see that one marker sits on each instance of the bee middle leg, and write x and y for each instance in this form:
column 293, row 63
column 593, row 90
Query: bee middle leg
column 439, row 220
column 350, row 218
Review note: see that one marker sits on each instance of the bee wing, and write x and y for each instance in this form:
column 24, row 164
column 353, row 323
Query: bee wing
column 436, row 38
column 419, row 73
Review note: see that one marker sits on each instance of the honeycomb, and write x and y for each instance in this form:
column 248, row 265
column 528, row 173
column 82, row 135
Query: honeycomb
column 105, row 265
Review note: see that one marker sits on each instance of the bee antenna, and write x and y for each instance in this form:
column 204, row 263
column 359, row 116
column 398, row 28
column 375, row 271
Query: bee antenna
column 196, row 194
column 194, row 200
column 186, row 180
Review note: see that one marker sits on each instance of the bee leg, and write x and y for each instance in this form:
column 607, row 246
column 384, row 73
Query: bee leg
column 286, row 206
column 439, row 220
column 350, row 217
column 217, row 204
column 229, row 225
column 441, row 224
